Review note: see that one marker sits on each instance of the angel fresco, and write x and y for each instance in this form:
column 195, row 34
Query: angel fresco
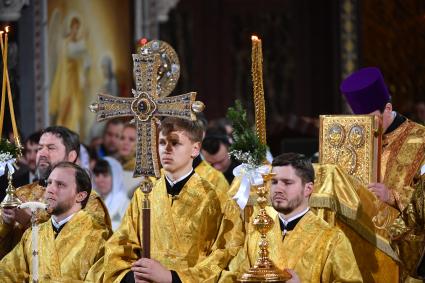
column 69, row 64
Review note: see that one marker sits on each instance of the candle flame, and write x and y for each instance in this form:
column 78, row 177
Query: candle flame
column 254, row 37
column 6, row 29
column 1, row 32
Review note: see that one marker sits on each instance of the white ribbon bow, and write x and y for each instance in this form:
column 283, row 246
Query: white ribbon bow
column 9, row 165
column 250, row 176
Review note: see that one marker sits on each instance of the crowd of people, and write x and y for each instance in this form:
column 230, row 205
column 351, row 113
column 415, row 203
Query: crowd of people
column 93, row 228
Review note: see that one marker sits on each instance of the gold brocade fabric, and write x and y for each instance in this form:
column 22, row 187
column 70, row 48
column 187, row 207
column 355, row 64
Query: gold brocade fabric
column 10, row 236
column 357, row 206
column 403, row 155
column 189, row 233
column 363, row 218
column 215, row 177
column 66, row 258
column 408, row 231
column 128, row 163
column 230, row 210
column 374, row 264
column 317, row 252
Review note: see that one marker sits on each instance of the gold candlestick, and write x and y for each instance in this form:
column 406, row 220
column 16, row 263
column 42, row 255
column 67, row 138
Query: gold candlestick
column 264, row 269
column 10, row 200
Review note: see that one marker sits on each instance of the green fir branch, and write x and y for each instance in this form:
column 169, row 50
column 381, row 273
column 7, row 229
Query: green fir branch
column 246, row 146
column 8, row 150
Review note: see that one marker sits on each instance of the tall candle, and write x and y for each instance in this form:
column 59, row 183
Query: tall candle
column 257, row 80
column 9, row 92
column 3, row 88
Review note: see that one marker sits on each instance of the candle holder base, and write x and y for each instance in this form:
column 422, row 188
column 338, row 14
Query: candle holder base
column 264, row 272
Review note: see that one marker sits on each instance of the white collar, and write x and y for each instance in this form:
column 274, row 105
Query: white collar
column 172, row 183
column 298, row 215
column 32, row 177
column 62, row 222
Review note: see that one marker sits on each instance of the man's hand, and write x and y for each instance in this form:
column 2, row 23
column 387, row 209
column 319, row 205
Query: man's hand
column 22, row 216
column 8, row 215
column 295, row 278
column 382, row 192
column 146, row 270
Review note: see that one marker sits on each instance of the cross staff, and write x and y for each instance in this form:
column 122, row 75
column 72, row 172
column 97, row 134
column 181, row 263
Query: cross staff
column 146, row 107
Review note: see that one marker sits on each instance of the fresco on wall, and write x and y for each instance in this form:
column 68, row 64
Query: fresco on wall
column 89, row 51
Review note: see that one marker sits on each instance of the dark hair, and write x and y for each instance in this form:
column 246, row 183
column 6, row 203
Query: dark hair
column 102, row 167
column 302, row 165
column 70, row 139
column 130, row 125
column 215, row 136
column 202, row 120
column 74, row 21
column 193, row 129
column 115, row 121
column 93, row 155
column 82, row 179
column 221, row 122
column 33, row 138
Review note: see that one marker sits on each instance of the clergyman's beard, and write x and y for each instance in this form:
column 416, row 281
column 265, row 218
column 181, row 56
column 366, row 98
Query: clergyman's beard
column 43, row 172
column 290, row 206
column 60, row 209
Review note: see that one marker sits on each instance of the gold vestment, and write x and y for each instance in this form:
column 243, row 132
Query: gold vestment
column 317, row 252
column 215, row 177
column 400, row 227
column 189, row 233
column 11, row 235
column 234, row 240
column 363, row 218
column 403, row 156
column 66, row 258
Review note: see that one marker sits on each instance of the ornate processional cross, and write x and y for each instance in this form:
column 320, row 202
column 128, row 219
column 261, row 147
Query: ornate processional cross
column 145, row 106
column 155, row 75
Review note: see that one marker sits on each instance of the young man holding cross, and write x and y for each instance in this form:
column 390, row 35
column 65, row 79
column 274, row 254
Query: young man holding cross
column 191, row 240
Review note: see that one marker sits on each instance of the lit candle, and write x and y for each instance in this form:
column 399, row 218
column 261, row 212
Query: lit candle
column 257, row 81
column 5, row 60
column 9, row 91
column 3, row 88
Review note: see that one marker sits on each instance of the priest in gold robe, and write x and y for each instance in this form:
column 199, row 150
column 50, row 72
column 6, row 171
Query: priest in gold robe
column 69, row 243
column 301, row 242
column 402, row 165
column 191, row 239
column 56, row 144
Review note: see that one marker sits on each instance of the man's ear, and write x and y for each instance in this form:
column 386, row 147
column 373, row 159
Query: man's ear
column 308, row 189
column 195, row 149
column 388, row 107
column 81, row 196
column 72, row 156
